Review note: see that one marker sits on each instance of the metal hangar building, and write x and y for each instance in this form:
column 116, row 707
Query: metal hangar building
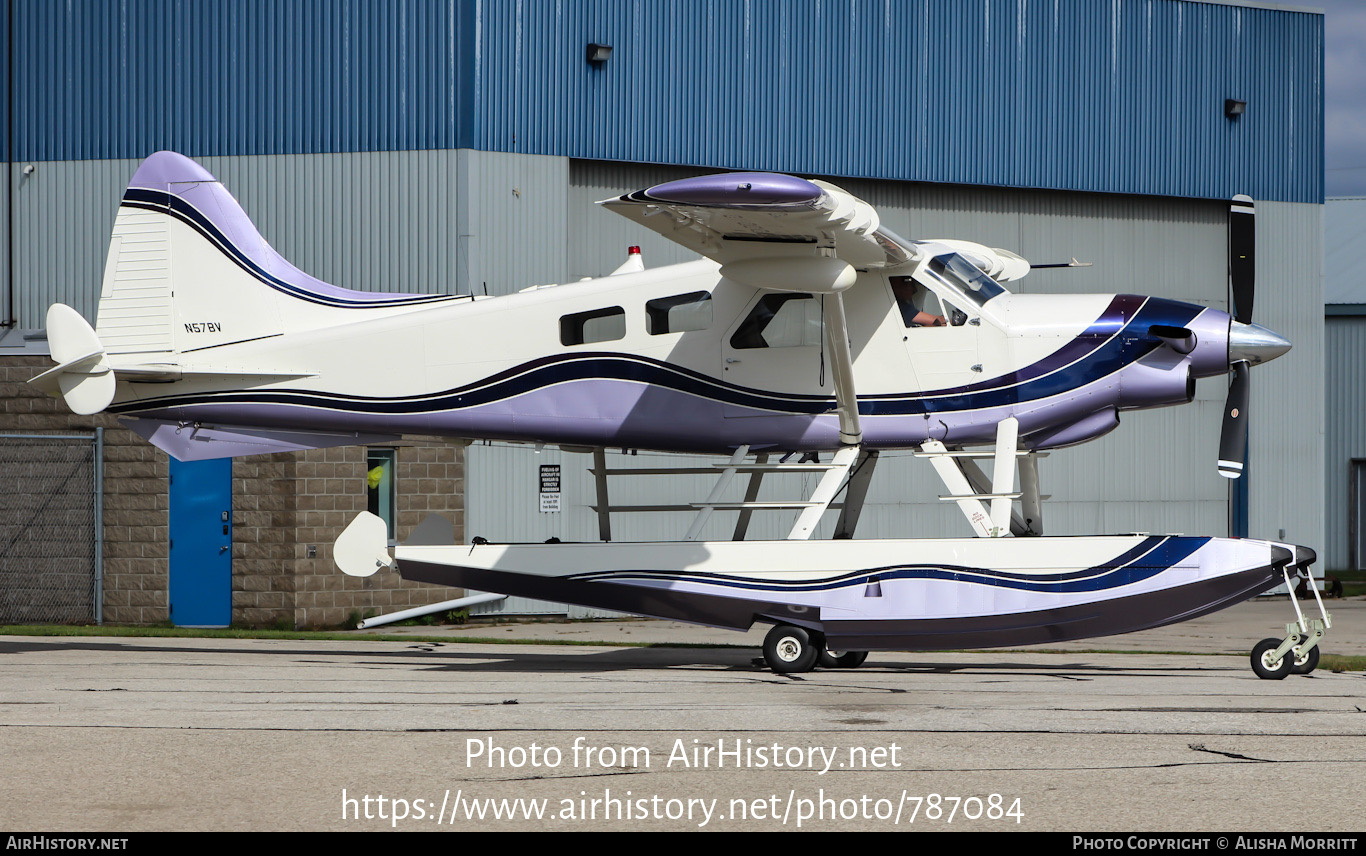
column 458, row 146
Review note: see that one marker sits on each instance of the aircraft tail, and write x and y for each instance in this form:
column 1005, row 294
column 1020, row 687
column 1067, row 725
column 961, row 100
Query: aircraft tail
column 188, row 272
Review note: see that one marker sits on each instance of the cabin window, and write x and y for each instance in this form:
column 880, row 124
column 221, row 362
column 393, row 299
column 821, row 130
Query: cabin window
column 381, row 466
column 599, row 325
column 678, row 314
column 781, row 321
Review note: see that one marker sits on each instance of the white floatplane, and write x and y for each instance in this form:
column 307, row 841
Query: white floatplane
column 807, row 328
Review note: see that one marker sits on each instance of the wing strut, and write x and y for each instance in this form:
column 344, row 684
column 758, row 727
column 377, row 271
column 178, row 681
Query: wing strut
column 842, row 367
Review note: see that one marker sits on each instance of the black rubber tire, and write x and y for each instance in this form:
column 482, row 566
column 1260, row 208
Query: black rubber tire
column 1306, row 664
column 841, row 659
column 1270, row 671
column 788, row 649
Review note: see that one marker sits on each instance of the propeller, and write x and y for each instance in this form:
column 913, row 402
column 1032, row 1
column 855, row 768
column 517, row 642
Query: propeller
column 1248, row 343
column 1233, row 439
column 1242, row 246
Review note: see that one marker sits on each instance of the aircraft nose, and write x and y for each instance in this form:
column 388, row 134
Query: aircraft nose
column 1254, row 344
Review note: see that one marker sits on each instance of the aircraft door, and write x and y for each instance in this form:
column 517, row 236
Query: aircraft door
column 943, row 335
column 776, row 346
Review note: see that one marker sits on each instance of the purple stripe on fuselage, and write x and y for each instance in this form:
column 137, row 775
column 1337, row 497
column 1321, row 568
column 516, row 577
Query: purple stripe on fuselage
column 622, row 413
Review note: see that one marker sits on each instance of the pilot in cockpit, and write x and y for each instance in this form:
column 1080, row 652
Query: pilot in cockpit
column 909, row 298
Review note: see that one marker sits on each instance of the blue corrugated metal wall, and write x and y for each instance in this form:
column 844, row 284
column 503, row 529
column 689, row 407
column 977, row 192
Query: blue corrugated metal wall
column 1119, row 96
column 96, row 79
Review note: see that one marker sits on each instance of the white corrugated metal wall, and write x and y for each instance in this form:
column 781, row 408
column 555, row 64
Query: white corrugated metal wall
column 1345, row 437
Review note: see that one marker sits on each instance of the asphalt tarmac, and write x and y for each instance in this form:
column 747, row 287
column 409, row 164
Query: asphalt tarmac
column 131, row 734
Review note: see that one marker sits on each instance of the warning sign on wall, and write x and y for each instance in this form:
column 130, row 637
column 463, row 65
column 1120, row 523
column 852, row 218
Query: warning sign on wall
column 550, row 488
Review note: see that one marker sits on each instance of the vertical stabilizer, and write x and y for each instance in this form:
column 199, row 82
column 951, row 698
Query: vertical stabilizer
column 188, row 271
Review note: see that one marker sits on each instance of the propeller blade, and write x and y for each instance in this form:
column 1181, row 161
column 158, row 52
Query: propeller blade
column 1233, row 440
column 1242, row 240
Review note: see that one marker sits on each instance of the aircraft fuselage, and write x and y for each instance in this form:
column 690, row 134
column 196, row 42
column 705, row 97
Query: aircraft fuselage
column 683, row 359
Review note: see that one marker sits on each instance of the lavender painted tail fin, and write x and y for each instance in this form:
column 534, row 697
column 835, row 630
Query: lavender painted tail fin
column 188, row 270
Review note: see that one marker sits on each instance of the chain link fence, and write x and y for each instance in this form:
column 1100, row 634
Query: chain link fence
column 50, row 528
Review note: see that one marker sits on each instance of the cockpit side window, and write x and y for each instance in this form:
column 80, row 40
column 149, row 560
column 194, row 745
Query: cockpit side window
column 922, row 307
column 918, row 305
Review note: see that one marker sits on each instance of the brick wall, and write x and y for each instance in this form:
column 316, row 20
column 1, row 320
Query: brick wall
column 330, row 491
column 283, row 504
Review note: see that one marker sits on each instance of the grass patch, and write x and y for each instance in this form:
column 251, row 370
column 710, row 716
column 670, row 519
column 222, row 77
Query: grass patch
column 1341, row 663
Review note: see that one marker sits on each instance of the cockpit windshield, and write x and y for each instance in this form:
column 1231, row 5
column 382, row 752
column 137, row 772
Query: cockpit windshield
column 958, row 271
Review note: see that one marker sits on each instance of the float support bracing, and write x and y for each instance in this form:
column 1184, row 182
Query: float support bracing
column 856, row 493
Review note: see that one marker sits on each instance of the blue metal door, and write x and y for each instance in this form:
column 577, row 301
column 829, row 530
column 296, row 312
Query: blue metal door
column 201, row 543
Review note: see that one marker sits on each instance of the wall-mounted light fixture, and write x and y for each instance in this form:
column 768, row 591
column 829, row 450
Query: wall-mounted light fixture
column 1233, row 108
column 598, row 54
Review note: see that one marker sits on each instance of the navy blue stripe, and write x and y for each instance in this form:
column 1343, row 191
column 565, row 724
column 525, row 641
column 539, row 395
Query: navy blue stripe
column 1112, row 320
column 1128, row 346
column 518, row 381
column 1117, row 352
column 1148, row 559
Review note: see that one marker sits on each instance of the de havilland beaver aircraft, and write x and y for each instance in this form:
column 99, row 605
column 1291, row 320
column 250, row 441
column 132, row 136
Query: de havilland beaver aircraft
column 808, row 330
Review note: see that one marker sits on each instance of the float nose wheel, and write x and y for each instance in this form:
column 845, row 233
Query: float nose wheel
column 1298, row 652
column 1273, row 659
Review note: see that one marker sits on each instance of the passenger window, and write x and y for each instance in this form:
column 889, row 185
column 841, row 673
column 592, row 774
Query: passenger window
column 599, row 325
column 781, row 321
column 678, row 314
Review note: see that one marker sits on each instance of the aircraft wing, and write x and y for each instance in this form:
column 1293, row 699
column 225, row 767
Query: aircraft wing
column 765, row 228
column 743, row 217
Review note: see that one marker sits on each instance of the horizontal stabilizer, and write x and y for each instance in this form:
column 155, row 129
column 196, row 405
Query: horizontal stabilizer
column 200, row 443
column 363, row 546
column 82, row 376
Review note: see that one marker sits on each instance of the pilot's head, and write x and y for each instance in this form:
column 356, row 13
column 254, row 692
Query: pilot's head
column 904, row 288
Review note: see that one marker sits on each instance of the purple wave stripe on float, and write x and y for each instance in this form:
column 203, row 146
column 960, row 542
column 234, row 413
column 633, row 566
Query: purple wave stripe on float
column 169, row 172
column 737, row 188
